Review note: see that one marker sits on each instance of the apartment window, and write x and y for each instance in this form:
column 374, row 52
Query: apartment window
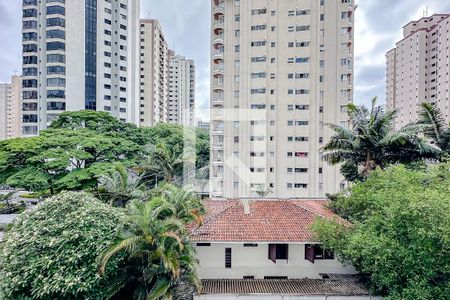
column 260, row 11
column 257, row 106
column 54, row 46
column 56, row 34
column 258, row 91
column 259, row 59
column 302, row 28
column 56, row 22
column 316, row 252
column 278, row 251
column 237, row 18
column 258, row 43
column 258, row 27
column 55, row 10
column 237, row 48
column 259, row 75
column 29, row 36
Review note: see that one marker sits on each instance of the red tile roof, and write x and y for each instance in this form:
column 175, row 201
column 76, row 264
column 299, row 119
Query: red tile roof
column 267, row 221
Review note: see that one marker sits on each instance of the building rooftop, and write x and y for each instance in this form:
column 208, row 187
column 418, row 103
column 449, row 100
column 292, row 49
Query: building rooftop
column 260, row 220
column 297, row 287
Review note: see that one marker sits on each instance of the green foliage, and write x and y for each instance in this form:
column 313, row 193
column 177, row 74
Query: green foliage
column 156, row 246
column 371, row 142
column 80, row 147
column 400, row 234
column 51, row 251
column 434, row 126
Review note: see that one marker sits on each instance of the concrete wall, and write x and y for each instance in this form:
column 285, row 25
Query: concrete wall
column 280, row 297
column 254, row 261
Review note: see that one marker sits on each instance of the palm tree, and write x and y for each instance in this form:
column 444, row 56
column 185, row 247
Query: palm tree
column 156, row 251
column 121, row 187
column 162, row 162
column 371, row 142
column 434, row 126
column 262, row 192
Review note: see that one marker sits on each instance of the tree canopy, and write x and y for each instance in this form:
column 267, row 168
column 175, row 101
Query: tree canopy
column 400, row 232
column 81, row 147
column 372, row 142
column 51, row 251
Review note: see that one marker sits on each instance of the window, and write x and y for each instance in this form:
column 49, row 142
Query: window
column 29, row 71
column 250, row 245
column 29, row 36
column 258, row 43
column 228, row 258
column 30, row 48
column 54, row 46
column 28, row 13
column 260, row 11
column 56, row 106
column 258, row 27
column 56, row 34
column 52, row 70
column 55, row 10
column 278, row 251
column 56, row 94
column 56, row 22
column 259, row 59
column 29, row 24
column 316, row 252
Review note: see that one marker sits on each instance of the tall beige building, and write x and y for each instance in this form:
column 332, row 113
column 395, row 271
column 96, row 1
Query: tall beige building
column 154, row 62
column 181, row 104
column 280, row 71
column 10, row 108
column 417, row 69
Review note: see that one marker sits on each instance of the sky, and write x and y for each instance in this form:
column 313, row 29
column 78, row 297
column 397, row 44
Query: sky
column 186, row 23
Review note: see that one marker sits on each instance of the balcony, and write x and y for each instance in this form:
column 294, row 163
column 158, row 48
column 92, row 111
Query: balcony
column 219, row 9
column 217, row 69
column 218, row 54
column 217, row 131
column 218, row 24
column 218, row 39
column 217, row 161
column 218, row 98
column 217, row 84
column 217, row 146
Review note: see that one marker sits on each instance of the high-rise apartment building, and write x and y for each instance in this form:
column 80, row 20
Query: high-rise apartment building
column 154, row 64
column 280, row 71
column 79, row 55
column 417, row 69
column 10, row 108
column 181, row 104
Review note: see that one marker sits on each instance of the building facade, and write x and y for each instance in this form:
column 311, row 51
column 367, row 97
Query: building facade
column 264, row 249
column 154, row 64
column 417, row 69
column 10, row 108
column 79, row 55
column 280, row 71
column 181, row 102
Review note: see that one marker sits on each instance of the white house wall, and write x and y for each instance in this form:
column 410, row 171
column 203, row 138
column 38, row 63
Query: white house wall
column 254, row 261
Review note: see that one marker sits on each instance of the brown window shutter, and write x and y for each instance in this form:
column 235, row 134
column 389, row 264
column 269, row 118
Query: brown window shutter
column 310, row 252
column 273, row 252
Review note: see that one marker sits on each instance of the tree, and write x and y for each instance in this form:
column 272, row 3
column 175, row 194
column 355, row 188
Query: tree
column 51, row 251
column 371, row 142
column 434, row 126
column 101, row 123
column 400, row 232
column 157, row 250
column 64, row 159
column 121, row 187
column 162, row 163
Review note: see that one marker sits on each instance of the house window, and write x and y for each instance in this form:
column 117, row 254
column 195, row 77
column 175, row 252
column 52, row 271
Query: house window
column 203, row 244
column 250, row 245
column 316, row 252
column 228, row 258
column 278, row 251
